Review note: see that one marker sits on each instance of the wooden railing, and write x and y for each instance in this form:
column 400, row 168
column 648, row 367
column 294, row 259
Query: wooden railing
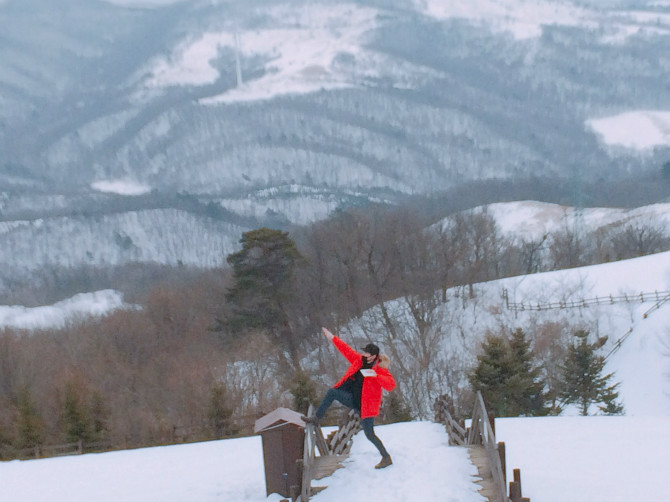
column 331, row 453
column 55, row 450
column 482, row 432
column 458, row 436
column 659, row 297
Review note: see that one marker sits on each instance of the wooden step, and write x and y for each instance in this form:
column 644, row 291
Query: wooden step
column 326, row 465
column 480, row 459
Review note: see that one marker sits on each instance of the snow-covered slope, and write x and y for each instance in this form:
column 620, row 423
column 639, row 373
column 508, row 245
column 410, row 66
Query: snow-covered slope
column 579, row 458
column 531, row 220
column 638, row 316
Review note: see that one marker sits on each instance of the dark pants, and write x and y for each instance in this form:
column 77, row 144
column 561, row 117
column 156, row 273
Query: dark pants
column 347, row 399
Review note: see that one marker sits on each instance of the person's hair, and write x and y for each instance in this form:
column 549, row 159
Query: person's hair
column 384, row 361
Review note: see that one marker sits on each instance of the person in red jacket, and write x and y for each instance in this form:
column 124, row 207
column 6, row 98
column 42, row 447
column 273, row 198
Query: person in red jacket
column 360, row 388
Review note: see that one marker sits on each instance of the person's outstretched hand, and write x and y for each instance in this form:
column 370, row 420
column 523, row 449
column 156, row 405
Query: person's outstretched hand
column 327, row 334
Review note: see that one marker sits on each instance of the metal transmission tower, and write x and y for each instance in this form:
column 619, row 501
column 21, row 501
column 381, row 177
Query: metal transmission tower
column 238, row 66
column 578, row 207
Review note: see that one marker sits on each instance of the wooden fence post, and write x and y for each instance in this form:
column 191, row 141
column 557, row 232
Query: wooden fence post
column 515, row 493
column 517, row 479
column 503, row 462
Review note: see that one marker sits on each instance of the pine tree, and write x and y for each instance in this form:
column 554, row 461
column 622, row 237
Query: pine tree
column 76, row 423
column 219, row 414
column 29, row 421
column 303, row 391
column 264, row 288
column 395, row 409
column 99, row 414
column 491, row 374
column 509, row 383
column 583, row 382
column 525, row 385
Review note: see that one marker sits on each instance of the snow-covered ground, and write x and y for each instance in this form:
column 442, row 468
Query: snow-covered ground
column 530, row 220
column 580, row 459
column 589, row 459
column 636, row 129
column 232, row 471
column 58, row 314
column 121, row 187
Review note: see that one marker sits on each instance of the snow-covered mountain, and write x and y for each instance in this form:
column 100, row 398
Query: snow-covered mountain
column 278, row 111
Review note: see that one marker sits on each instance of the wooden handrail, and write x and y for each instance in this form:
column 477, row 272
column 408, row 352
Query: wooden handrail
column 659, row 297
column 331, row 452
column 481, row 432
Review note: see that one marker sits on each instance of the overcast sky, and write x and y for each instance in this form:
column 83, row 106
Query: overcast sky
column 141, row 3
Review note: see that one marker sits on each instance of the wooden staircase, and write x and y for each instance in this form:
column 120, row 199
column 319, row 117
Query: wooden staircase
column 331, row 452
column 485, row 453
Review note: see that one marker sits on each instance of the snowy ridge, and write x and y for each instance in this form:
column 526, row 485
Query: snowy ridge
column 141, row 236
column 83, row 305
column 531, row 219
column 300, row 53
column 637, row 130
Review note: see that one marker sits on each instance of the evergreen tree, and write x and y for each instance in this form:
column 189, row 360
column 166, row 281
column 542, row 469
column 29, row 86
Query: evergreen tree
column 303, row 391
column 395, row 409
column 525, row 385
column 76, row 423
column 219, row 413
column 583, row 382
column 29, row 421
column 99, row 414
column 491, row 374
column 509, row 383
column 264, row 288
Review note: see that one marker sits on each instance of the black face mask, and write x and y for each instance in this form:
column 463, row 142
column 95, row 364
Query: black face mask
column 366, row 364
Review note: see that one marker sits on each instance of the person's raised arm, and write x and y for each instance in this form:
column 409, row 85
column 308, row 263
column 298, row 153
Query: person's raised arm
column 350, row 354
column 328, row 334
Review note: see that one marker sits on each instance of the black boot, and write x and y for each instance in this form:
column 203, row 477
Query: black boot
column 313, row 420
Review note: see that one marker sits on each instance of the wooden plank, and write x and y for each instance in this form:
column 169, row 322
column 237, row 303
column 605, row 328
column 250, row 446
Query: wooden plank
column 486, row 484
column 325, row 466
column 320, row 440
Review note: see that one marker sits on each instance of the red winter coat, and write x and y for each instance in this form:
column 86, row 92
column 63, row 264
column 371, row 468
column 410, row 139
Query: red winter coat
column 371, row 394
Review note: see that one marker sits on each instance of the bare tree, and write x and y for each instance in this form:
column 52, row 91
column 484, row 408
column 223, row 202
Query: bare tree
column 639, row 238
column 475, row 242
column 566, row 247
